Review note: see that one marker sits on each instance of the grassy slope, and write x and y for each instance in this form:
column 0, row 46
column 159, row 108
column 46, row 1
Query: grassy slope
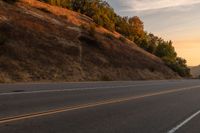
column 46, row 43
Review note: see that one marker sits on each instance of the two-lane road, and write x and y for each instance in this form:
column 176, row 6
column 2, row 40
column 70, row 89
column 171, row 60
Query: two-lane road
column 101, row 107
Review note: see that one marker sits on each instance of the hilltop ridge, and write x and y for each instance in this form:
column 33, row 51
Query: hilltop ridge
column 195, row 71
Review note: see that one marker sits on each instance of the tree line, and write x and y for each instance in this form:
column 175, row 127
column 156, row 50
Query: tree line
column 130, row 27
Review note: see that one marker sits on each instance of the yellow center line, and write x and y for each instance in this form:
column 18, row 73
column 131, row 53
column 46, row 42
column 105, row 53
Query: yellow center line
column 83, row 106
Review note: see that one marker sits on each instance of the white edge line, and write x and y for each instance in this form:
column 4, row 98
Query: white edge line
column 75, row 89
column 173, row 130
column 86, row 82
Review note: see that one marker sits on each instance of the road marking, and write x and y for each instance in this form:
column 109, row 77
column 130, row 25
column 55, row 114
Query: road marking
column 75, row 89
column 173, row 130
column 83, row 106
column 91, row 82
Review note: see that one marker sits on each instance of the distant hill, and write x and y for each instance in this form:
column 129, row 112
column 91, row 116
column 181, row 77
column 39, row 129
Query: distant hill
column 40, row 42
column 195, row 71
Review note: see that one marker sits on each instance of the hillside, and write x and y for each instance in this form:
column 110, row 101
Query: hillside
column 40, row 42
column 195, row 71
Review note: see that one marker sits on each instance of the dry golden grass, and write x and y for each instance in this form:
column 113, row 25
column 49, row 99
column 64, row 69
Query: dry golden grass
column 45, row 46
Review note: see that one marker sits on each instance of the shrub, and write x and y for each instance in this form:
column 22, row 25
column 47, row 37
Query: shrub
column 64, row 16
column 11, row 1
column 3, row 39
column 44, row 9
column 84, row 27
column 92, row 30
column 122, row 39
column 90, row 41
column 109, row 36
column 178, row 65
column 152, row 69
column 105, row 78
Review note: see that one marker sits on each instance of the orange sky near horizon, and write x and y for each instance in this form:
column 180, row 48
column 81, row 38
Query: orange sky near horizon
column 189, row 50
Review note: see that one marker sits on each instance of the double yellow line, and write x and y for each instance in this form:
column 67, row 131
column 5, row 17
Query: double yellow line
column 83, row 106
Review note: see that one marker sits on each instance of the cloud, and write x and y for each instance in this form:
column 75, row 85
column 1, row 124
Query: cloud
column 144, row 5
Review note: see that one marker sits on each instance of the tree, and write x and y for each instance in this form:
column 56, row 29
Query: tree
column 165, row 49
column 137, row 26
column 11, row 1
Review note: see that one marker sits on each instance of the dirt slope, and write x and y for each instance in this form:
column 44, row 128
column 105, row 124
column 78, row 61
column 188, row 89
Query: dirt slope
column 47, row 43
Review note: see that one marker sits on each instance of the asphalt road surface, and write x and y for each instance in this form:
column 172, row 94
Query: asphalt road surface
column 171, row 106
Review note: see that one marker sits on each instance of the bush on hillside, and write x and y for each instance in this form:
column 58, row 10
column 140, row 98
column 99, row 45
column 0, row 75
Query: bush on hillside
column 178, row 65
column 3, row 39
column 105, row 78
column 83, row 27
column 90, row 41
column 92, row 30
column 109, row 36
column 64, row 16
column 44, row 9
column 122, row 39
column 11, row 1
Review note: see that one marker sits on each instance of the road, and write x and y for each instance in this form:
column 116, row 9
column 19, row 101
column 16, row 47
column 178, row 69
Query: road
column 168, row 106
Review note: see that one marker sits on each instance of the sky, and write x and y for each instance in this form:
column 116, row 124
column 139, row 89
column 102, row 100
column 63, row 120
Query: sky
column 176, row 20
